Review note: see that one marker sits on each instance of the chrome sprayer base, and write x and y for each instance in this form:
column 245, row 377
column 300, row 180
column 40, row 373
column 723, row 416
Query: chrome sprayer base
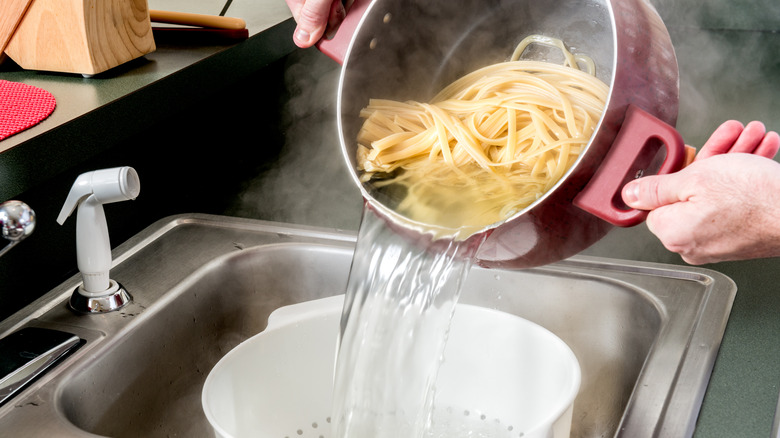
column 115, row 298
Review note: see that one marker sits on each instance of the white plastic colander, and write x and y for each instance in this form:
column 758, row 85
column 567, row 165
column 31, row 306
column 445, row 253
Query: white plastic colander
column 501, row 373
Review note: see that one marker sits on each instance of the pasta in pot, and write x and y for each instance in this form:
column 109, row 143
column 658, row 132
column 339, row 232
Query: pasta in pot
column 488, row 145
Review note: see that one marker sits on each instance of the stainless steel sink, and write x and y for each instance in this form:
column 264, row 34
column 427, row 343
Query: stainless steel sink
column 646, row 335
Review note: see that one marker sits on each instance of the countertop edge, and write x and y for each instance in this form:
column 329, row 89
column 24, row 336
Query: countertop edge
column 36, row 160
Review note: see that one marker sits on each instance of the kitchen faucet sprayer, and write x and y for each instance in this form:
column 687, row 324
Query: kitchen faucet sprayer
column 89, row 192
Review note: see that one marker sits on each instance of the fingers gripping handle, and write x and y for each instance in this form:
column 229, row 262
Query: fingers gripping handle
column 336, row 47
column 624, row 161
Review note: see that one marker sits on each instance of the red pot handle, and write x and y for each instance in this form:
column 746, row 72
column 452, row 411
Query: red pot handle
column 336, row 47
column 602, row 195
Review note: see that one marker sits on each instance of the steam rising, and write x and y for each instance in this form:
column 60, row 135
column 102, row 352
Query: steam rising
column 729, row 69
column 727, row 55
column 310, row 183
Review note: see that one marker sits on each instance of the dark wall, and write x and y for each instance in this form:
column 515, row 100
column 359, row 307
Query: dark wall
column 195, row 160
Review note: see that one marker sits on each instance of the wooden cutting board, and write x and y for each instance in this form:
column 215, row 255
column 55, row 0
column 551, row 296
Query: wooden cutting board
column 11, row 13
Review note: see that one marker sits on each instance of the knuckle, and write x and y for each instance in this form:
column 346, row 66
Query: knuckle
column 649, row 192
column 313, row 14
column 652, row 189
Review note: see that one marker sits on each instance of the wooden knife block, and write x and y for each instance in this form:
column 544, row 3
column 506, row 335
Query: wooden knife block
column 81, row 36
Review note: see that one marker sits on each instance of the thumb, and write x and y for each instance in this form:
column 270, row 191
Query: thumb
column 651, row 192
column 312, row 19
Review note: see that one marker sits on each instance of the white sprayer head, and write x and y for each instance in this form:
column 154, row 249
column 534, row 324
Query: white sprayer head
column 90, row 191
column 108, row 185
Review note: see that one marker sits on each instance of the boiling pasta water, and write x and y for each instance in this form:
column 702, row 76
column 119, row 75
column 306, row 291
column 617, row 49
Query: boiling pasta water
column 397, row 312
column 488, row 145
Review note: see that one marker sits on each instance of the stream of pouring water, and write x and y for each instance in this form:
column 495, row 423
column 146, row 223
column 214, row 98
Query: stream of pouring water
column 399, row 303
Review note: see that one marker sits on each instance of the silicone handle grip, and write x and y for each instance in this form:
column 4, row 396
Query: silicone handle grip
column 336, row 47
column 601, row 195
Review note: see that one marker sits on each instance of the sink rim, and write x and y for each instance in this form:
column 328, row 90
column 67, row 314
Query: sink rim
column 677, row 414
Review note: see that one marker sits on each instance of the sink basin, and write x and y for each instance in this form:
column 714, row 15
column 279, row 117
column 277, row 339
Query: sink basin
column 646, row 335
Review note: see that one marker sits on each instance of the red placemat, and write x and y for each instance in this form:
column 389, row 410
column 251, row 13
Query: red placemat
column 22, row 106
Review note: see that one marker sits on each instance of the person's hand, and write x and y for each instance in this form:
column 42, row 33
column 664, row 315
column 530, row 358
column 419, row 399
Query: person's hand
column 724, row 206
column 731, row 136
column 315, row 18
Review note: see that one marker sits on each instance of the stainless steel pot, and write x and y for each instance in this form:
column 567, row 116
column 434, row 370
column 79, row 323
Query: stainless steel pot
column 410, row 49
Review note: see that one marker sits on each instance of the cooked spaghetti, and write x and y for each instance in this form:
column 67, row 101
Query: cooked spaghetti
column 488, row 145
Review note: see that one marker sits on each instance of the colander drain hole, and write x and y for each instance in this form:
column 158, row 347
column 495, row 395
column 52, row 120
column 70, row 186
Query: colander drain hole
column 314, row 428
column 483, row 417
